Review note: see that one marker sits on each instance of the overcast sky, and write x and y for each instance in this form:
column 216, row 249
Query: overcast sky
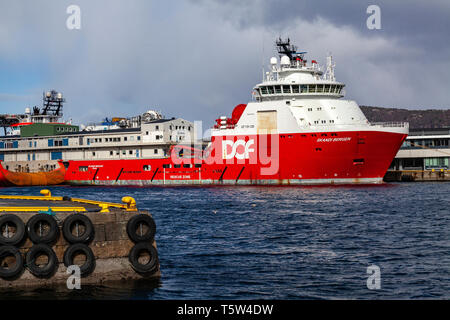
column 198, row 59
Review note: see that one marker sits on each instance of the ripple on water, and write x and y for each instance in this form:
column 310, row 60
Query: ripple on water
column 285, row 243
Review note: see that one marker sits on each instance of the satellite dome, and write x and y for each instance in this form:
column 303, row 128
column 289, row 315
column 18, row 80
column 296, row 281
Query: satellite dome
column 285, row 61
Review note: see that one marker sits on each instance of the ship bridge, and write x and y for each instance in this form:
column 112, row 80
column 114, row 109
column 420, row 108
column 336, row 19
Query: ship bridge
column 294, row 77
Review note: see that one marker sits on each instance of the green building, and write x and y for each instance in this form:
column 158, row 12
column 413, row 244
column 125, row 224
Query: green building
column 47, row 129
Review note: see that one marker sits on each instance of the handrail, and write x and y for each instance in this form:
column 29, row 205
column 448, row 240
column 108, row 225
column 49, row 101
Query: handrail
column 391, row 124
column 129, row 202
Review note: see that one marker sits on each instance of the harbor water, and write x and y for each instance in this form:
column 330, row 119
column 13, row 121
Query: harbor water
column 283, row 242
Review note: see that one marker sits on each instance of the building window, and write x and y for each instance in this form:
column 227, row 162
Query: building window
column 83, row 168
column 166, row 166
column 147, row 167
column 125, row 138
column 155, row 151
column 110, row 153
column 156, row 127
column 436, row 163
column 130, row 152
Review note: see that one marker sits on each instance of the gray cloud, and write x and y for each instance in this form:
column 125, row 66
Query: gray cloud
column 198, row 59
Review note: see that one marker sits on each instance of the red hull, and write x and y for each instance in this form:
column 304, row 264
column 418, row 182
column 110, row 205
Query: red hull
column 337, row 157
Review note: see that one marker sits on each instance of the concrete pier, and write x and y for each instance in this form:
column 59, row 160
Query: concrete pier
column 110, row 244
column 417, row 175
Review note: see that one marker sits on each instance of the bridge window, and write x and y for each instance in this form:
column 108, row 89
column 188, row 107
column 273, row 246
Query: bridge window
column 295, row 89
column 264, row 90
column 304, row 88
column 286, row 89
column 277, row 89
column 326, row 88
column 270, row 90
column 320, row 88
column 312, row 88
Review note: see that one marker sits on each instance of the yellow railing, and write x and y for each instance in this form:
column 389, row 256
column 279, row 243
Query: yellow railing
column 129, row 203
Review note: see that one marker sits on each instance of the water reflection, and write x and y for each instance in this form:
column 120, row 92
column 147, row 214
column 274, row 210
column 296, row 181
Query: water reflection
column 121, row 290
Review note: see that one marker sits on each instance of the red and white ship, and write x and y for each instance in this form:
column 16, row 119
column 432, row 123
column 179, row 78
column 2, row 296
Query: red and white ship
column 297, row 130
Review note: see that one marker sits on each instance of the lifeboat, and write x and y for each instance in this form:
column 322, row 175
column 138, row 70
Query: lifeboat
column 19, row 179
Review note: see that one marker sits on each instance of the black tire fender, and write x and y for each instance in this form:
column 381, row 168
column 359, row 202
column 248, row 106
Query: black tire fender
column 34, row 221
column 49, row 269
column 86, row 237
column 88, row 267
column 132, row 228
column 151, row 266
column 9, row 273
column 11, row 219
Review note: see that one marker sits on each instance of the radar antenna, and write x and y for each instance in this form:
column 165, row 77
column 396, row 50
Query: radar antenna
column 52, row 103
column 285, row 47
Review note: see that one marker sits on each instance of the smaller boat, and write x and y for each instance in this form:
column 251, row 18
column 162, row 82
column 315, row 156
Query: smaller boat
column 19, row 179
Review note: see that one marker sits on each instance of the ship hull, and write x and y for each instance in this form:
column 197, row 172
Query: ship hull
column 22, row 179
column 353, row 157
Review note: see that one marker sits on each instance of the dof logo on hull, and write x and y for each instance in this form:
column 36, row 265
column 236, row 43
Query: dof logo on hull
column 238, row 149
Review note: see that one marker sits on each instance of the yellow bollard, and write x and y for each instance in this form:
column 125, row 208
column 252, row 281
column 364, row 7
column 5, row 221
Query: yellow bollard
column 46, row 193
column 130, row 202
column 105, row 207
